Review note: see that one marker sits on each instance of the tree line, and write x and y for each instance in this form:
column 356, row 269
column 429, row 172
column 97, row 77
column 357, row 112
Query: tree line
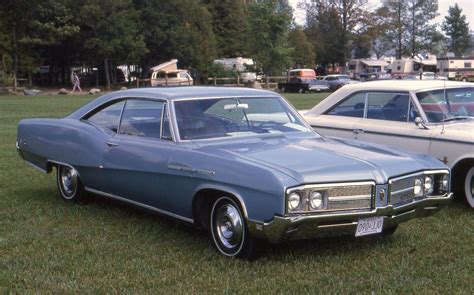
column 103, row 34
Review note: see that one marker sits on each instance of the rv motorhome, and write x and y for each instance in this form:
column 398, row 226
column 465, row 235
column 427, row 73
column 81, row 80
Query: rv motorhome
column 457, row 68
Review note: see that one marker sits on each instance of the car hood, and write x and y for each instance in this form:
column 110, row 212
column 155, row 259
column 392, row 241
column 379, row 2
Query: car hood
column 309, row 158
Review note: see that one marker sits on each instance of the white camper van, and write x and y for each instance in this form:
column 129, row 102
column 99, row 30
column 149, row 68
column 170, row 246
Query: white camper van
column 168, row 74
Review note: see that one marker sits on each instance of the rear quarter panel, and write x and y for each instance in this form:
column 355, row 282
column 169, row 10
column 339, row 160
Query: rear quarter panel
column 70, row 141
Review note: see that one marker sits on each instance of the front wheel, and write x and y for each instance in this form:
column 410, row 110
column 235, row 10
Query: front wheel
column 69, row 184
column 229, row 231
column 469, row 186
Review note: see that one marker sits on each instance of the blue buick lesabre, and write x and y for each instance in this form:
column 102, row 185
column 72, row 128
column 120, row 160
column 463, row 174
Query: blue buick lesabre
column 240, row 163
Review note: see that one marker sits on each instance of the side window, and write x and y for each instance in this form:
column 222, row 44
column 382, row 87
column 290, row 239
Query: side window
column 351, row 107
column 142, row 118
column 108, row 117
column 388, row 106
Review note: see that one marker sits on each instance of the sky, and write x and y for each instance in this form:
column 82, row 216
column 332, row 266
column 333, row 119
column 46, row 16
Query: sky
column 467, row 7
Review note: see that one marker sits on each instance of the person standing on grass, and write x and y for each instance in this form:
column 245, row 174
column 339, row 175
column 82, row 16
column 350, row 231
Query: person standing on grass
column 76, row 82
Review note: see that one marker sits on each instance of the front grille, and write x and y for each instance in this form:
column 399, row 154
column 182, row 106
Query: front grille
column 350, row 197
column 402, row 190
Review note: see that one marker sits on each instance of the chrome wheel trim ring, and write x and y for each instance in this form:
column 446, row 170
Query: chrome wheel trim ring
column 469, row 187
column 68, row 181
column 227, row 227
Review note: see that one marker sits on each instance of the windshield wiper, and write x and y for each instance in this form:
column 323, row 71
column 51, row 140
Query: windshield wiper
column 455, row 118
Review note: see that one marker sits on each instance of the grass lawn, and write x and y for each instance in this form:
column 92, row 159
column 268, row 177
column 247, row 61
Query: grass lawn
column 102, row 246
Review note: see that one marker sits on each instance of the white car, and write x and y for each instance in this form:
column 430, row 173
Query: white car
column 429, row 117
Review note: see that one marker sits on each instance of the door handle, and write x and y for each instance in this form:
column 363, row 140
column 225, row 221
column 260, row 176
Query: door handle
column 358, row 131
column 111, row 144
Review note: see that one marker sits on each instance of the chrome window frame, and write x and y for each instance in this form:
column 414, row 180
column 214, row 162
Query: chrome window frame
column 100, row 107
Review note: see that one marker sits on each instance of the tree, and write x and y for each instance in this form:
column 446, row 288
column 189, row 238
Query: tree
column 303, row 54
column 325, row 32
column 457, row 29
column 30, row 27
column 376, row 32
column 269, row 23
column 410, row 27
column 110, row 33
column 349, row 14
column 230, row 26
column 421, row 12
column 177, row 29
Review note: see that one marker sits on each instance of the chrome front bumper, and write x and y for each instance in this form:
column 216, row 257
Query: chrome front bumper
column 305, row 226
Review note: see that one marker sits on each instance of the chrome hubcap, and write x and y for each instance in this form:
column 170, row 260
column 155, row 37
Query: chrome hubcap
column 68, row 177
column 229, row 226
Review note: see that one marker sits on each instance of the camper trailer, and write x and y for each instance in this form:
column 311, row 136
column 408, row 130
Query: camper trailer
column 457, row 68
column 367, row 69
column 168, row 74
column 401, row 68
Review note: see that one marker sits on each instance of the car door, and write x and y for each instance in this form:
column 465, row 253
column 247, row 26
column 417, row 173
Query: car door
column 135, row 165
column 341, row 119
column 389, row 120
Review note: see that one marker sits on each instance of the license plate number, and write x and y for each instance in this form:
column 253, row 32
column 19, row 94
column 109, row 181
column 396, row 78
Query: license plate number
column 369, row 226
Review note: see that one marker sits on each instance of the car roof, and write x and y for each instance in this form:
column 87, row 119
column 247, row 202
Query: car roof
column 180, row 92
column 405, row 85
column 173, row 93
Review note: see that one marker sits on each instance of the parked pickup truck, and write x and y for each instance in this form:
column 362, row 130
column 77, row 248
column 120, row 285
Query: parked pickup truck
column 302, row 80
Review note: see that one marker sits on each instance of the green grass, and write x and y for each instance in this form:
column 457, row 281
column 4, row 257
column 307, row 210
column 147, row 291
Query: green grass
column 47, row 245
column 306, row 100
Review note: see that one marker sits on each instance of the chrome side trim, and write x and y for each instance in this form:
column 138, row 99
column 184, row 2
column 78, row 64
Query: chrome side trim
column 192, row 170
column 64, row 164
column 139, row 204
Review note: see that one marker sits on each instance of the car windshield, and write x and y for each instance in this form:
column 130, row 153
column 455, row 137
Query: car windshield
column 344, row 77
column 444, row 105
column 231, row 117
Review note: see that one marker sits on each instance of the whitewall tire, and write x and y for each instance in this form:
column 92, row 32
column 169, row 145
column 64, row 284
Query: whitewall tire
column 229, row 230
column 69, row 184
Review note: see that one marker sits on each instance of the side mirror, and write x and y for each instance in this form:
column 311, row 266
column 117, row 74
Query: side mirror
column 419, row 122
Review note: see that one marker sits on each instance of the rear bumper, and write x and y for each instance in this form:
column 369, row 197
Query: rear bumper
column 342, row 223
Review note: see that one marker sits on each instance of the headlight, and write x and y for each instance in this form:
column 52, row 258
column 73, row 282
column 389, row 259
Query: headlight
column 294, row 201
column 418, row 187
column 444, row 183
column 429, row 186
column 316, row 200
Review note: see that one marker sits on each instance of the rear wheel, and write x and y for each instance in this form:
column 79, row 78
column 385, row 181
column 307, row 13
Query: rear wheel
column 69, row 184
column 301, row 90
column 469, row 186
column 229, row 231
column 464, row 79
